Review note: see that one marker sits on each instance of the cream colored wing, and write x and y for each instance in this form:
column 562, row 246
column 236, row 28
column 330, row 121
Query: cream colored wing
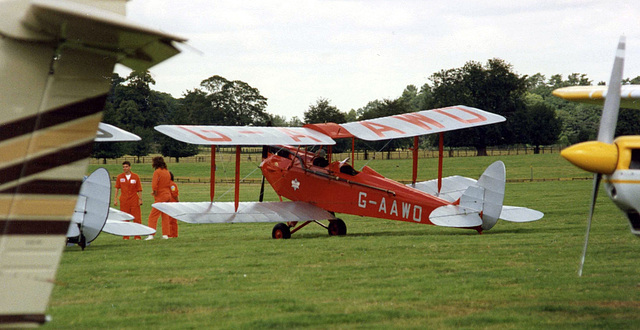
column 629, row 95
column 56, row 60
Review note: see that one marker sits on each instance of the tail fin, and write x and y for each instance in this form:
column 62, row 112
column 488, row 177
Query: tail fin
column 492, row 183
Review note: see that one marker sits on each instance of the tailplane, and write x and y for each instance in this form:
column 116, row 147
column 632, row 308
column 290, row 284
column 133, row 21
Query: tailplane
column 479, row 206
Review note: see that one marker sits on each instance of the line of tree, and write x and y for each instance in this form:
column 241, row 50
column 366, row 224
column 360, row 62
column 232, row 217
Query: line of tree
column 534, row 116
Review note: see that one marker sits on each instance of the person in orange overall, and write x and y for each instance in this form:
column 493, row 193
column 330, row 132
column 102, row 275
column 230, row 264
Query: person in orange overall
column 161, row 192
column 131, row 198
column 173, row 223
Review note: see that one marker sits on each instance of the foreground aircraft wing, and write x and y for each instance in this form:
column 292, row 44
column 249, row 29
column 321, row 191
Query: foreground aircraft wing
column 421, row 123
column 56, row 60
column 224, row 212
column 629, row 95
column 454, row 186
column 244, row 135
column 110, row 133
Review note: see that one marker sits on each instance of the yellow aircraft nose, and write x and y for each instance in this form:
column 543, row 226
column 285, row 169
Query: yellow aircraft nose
column 593, row 156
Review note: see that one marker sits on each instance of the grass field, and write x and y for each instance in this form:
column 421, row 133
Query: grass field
column 383, row 274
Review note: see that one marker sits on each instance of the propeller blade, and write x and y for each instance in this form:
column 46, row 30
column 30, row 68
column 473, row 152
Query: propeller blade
column 611, row 108
column 594, row 195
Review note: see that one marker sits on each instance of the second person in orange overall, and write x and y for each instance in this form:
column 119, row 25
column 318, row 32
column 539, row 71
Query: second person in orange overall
column 173, row 223
column 161, row 192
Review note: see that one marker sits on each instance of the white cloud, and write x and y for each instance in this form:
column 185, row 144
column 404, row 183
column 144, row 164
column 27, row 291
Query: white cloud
column 353, row 52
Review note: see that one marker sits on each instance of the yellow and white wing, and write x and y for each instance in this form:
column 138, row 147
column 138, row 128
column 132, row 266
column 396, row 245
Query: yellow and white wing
column 629, row 95
column 56, row 60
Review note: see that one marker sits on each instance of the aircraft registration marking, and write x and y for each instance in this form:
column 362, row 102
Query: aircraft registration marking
column 404, row 210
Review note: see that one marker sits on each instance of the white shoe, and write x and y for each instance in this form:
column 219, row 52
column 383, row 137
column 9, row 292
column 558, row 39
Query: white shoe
column 165, row 237
column 149, row 238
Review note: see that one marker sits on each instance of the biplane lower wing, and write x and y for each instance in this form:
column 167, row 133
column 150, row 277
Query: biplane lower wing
column 454, row 186
column 224, row 212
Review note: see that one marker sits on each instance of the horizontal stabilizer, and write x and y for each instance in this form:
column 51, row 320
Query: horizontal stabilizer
column 223, row 212
column 117, row 215
column 520, row 214
column 452, row 187
column 455, row 216
column 247, row 135
column 110, row 133
column 125, row 228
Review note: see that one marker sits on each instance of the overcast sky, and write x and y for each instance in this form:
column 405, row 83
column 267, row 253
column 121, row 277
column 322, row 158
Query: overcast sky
column 353, row 52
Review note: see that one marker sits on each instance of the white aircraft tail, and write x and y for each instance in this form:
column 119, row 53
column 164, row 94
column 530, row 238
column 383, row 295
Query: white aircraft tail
column 489, row 192
column 479, row 205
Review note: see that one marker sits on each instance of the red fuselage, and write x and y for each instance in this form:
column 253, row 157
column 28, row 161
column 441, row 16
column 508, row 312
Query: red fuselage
column 338, row 188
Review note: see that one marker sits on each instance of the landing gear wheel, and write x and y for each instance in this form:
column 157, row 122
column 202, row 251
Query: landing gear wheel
column 281, row 231
column 337, row 228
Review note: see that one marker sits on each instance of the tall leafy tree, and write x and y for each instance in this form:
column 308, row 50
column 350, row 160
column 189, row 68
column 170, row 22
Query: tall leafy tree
column 324, row 112
column 493, row 87
column 538, row 125
column 232, row 103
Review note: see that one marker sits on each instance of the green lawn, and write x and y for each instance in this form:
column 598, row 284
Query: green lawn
column 383, row 274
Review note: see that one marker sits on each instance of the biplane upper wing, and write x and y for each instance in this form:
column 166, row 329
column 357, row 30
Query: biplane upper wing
column 453, row 188
column 392, row 127
column 629, row 95
column 245, row 135
column 56, row 60
column 421, row 123
column 224, row 212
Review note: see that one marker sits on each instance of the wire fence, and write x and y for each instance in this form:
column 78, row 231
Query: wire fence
column 254, row 154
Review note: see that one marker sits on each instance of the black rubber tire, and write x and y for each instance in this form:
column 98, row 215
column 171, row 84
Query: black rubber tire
column 337, row 227
column 281, row 231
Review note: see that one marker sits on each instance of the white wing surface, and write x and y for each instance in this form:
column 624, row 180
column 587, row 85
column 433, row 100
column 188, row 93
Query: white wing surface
column 421, row 123
column 455, row 216
column 223, row 212
column 452, row 187
column 117, row 215
column 110, row 133
column 125, row 228
column 244, row 135
column 520, row 214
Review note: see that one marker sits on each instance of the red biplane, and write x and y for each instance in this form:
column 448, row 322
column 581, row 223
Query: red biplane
column 318, row 191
